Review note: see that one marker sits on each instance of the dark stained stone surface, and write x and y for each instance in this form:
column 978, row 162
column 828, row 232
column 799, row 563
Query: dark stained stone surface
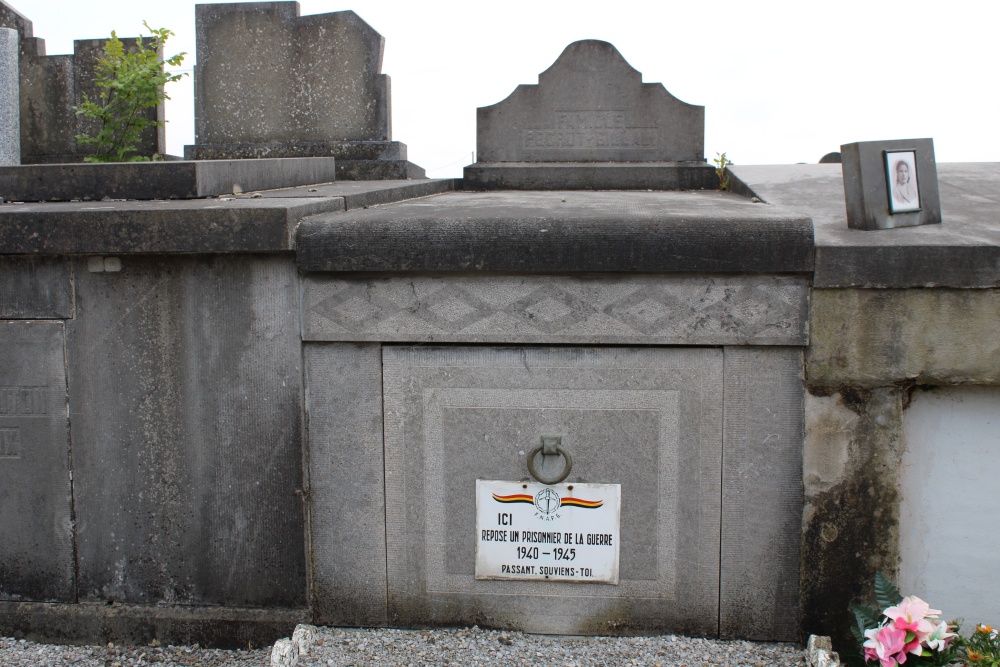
column 560, row 232
column 178, row 179
column 203, row 225
column 590, row 176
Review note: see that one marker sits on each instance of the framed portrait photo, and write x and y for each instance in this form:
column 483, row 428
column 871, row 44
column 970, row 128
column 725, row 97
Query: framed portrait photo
column 902, row 183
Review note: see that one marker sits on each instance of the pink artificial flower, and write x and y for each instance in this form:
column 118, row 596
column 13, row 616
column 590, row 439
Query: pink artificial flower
column 912, row 615
column 886, row 643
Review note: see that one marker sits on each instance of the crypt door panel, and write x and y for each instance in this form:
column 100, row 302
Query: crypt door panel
column 649, row 419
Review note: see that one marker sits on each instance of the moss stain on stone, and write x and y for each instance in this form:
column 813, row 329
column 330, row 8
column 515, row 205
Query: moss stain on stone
column 851, row 529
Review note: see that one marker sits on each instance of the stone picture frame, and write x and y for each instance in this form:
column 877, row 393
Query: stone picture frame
column 868, row 184
column 902, row 180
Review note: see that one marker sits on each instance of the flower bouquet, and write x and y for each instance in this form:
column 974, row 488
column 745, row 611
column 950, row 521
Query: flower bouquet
column 906, row 631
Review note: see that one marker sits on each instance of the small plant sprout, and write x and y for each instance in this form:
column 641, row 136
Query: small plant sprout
column 721, row 162
column 129, row 81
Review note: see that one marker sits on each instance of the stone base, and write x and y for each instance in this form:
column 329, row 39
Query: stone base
column 590, row 176
column 211, row 627
column 378, row 170
column 159, row 180
column 345, row 150
column 356, row 160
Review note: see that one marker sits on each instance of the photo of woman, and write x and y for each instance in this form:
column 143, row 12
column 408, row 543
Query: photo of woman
column 901, row 177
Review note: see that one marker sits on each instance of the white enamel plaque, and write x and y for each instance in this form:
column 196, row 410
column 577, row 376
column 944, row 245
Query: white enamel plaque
column 540, row 532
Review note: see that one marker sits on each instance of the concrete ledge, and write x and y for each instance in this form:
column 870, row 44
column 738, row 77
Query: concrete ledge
column 362, row 194
column 567, row 232
column 877, row 338
column 203, row 226
column 158, row 180
column 215, row 627
column 378, row 170
column 590, row 176
column 346, row 150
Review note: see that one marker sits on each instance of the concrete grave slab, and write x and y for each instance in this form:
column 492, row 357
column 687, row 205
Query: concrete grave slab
column 185, row 377
column 561, row 232
column 228, row 225
column 36, row 552
column 649, row 419
column 362, row 194
column 177, row 179
column 35, row 288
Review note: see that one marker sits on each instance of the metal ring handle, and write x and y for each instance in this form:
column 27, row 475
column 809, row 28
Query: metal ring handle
column 556, row 479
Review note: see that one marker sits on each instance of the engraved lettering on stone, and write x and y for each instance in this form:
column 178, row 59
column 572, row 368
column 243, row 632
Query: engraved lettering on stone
column 586, row 129
column 10, row 443
column 23, row 401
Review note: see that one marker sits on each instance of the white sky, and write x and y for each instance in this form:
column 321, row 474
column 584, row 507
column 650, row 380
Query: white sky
column 781, row 82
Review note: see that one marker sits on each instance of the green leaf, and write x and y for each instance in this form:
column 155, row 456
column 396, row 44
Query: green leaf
column 886, row 592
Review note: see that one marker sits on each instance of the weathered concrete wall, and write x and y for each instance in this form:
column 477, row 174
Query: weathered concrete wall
column 869, row 348
column 876, row 338
column 185, row 387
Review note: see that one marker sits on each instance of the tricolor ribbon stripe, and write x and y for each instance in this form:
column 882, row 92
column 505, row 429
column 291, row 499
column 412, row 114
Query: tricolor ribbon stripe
column 580, row 502
column 566, row 502
column 515, row 498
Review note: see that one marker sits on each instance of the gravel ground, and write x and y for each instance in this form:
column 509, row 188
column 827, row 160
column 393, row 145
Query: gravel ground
column 401, row 648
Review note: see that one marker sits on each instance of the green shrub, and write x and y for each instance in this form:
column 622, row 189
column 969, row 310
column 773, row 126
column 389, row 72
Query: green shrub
column 129, row 81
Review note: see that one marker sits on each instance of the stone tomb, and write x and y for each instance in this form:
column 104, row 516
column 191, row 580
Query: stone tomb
column 272, row 83
column 684, row 389
column 591, row 123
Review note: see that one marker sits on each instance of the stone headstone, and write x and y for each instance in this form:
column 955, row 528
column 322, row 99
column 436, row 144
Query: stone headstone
column 831, row 158
column 50, row 86
column 591, row 123
column 10, row 115
column 272, row 83
column 889, row 184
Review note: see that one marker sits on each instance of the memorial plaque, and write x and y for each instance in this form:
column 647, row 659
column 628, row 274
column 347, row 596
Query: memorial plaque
column 542, row 532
